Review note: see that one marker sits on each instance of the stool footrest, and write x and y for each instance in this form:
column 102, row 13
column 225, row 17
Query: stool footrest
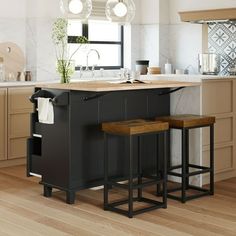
column 175, row 167
column 154, row 205
column 136, row 186
column 189, row 197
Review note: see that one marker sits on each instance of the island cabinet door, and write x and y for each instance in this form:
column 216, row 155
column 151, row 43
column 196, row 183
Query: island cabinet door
column 219, row 100
column 86, row 136
column 3, row 124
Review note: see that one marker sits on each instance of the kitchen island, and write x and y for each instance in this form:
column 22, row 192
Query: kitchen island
column 68, row 155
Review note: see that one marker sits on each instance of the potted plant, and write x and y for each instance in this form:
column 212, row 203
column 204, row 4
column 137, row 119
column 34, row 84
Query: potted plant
column 65, row 64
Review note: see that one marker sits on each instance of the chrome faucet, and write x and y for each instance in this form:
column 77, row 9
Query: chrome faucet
column 87, row 62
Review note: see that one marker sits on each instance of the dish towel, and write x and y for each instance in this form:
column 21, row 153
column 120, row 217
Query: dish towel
column 45, row 111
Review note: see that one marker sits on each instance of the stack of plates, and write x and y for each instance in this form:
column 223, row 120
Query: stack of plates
column 154, row 70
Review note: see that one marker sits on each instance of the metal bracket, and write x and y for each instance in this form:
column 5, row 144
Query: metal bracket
column 98, row 95
column 170, row 91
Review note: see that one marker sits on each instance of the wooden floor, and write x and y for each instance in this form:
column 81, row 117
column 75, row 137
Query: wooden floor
column 24, row 211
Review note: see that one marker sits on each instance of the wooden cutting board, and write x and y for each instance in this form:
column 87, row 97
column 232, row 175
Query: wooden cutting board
column 14, row 59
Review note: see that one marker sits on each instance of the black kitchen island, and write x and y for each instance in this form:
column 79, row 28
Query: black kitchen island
column 68, row 155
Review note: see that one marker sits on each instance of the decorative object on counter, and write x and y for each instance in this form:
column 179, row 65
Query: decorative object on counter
column 81, row 9
column 154, row 70
column 209, row 63
column 14, row 60
column 28, row 76
column 2, row 71
column 65, row 64
column 221, row 40
column 141, row 66
column 168, row 68
column 120, row 11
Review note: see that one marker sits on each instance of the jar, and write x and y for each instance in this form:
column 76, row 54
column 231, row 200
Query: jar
column 142, row 66
column 28, row 76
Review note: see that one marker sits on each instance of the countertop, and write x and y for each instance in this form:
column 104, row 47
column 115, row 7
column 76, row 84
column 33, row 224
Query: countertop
column 106, row 86
column 88, row 83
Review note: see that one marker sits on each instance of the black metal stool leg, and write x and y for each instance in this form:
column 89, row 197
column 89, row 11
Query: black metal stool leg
column 130, row 205
column 183, row 166
column 159, row 193
column 212, row 159
column 164, row 192
column 187, row 157
column 139, row 168
column 106, row 187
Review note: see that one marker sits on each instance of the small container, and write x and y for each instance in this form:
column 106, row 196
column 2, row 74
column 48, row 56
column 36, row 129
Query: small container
column 168, row 68
column 142, row 66
column 28, row 76
column 154, row 70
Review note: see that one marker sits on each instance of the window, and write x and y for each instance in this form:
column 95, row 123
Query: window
column 104, row 36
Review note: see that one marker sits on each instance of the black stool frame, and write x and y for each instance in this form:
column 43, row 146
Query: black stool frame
column 130, row 186
column 185, row 169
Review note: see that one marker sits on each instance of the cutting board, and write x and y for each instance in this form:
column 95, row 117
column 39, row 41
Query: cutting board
column 14, row 59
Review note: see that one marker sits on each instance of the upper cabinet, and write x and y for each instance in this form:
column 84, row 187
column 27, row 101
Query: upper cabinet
column 204, row 16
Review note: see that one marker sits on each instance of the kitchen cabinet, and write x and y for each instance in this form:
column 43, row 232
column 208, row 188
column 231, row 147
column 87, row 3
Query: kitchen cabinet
column 19, row 109
column 15, row 110
column 219, row 100
column 3, row 124
column 69, row 154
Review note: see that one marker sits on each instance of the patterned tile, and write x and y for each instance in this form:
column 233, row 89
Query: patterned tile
column 222, row 40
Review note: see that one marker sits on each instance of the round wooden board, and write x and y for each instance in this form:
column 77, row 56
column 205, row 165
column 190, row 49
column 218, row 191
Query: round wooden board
column 14, row 59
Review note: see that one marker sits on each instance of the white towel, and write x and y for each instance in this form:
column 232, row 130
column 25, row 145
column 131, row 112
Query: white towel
column 45, row 111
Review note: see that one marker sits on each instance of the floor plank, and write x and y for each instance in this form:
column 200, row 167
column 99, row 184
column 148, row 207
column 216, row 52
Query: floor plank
column 24, row 211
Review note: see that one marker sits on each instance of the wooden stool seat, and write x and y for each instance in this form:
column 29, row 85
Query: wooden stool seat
column 187, row 121
column 132, row 132
column 134, row 127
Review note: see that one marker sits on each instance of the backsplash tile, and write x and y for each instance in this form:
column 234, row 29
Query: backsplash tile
column 222, row 40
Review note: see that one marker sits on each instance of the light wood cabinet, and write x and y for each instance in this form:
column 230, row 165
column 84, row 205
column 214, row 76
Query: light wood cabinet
column 19, row 109
column 15, row 110
column 219, row 100
column 3, row 124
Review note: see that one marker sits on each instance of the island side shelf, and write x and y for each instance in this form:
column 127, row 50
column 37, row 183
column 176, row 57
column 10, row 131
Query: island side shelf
column 71, row 155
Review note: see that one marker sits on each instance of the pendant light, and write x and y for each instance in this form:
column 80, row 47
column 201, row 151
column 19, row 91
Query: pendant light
column 80, row 9
column 120, row 11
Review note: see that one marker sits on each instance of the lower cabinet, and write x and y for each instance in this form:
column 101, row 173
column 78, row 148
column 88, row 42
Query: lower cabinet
column 15, row 110
column 219, row 100
column 3, row 124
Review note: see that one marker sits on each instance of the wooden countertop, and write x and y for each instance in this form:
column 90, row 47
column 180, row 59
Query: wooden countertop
column 105, row 86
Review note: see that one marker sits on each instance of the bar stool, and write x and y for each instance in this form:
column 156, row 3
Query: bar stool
column 185, row 123
column 129, row 130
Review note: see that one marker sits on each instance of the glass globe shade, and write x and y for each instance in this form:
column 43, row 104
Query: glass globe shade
column 75, row 6
column 80, row 9
column 120, row 11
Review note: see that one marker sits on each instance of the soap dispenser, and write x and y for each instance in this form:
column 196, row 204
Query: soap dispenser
column 168, row 68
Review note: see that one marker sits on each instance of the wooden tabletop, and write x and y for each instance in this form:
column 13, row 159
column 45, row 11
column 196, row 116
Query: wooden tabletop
column 105, row 86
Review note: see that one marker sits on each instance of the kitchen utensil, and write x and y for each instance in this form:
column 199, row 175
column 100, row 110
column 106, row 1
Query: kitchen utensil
column 209, row 63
